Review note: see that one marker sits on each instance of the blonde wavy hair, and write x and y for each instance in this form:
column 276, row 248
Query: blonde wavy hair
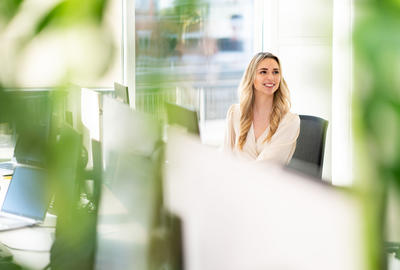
column 280, row 106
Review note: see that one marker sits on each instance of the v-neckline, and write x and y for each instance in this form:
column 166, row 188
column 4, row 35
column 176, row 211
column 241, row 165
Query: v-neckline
column 263, row 134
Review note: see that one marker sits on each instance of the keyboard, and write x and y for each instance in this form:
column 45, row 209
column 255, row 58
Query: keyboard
column 10, row 223
column 7, row 168
column 7, row 165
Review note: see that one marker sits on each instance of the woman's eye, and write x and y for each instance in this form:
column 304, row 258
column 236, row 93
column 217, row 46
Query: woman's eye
column 263, row 72
column 276, row 72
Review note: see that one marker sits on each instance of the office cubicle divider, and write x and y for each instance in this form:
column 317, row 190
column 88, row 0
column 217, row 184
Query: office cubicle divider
column 131, row 201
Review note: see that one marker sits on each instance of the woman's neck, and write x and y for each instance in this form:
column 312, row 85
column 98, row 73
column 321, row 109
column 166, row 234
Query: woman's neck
column 263, row 104
column 262, row 109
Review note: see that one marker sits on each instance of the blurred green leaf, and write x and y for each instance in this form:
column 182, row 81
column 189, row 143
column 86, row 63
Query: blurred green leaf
column 72, row 12
column 8, row 9
column 51, row 16
column 376, row 105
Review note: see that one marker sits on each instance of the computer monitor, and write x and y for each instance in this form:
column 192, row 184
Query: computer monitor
column 73, row 107
column 28, row 194
column 90, row 113
column 121, row 92
column 83, row 113
column 36, row 116
column 183, row 116
column 131, row 195
column 31, row 109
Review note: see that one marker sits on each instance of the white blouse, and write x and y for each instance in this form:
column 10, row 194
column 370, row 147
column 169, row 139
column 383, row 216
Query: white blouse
column 279, row 149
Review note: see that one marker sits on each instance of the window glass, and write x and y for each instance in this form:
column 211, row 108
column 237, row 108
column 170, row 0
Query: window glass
column 192, row 52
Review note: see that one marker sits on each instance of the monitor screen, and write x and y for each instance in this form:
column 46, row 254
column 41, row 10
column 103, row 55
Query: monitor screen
column 30, row 147
column 184, row 117
column 28, row 194
column 121, row 92
column 36, row 117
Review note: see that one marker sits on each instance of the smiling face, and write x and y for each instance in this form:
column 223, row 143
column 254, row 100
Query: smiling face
column 268, row 76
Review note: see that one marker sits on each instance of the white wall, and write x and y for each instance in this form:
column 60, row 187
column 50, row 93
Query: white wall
column 342, row 87
column 129, row 77
column 300, row 34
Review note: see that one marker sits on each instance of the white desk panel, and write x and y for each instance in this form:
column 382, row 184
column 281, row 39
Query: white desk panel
column 257, row 215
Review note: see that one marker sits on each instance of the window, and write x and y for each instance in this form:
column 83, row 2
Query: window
column 192, row 53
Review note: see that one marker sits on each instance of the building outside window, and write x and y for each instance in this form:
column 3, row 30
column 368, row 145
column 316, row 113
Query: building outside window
column 192, row 53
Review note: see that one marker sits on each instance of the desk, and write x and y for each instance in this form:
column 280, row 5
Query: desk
column 121, row 239
column 235, row 216
column 30, row 246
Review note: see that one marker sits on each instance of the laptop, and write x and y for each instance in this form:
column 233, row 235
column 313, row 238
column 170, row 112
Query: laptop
column 26, row 200
column 29, row 150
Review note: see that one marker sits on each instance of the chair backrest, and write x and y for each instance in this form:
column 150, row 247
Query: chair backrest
column 309, row 154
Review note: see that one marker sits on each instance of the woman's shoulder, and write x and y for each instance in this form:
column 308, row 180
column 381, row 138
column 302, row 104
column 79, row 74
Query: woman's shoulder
column 234, row 108
column 291, row 119
column 233, row 111
column 288, row 129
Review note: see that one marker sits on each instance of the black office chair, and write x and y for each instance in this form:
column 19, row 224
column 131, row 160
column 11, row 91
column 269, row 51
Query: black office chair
column 309, row 154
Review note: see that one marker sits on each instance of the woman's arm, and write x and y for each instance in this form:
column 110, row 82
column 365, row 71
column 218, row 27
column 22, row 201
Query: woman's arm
column 230, row 136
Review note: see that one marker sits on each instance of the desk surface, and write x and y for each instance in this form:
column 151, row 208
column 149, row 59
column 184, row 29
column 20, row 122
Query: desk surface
column 30, row 246
column 121, row 243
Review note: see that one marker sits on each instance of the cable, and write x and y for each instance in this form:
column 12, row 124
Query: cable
column 23, row 249
column 45, row 226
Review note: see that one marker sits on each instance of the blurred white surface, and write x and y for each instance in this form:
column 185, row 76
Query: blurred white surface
column 393, row 263
column 30, row 247
column 212, row 132
column 257, row 215
column 6, row 147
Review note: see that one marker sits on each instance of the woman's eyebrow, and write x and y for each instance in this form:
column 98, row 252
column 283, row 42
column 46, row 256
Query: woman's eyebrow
column 267, row 69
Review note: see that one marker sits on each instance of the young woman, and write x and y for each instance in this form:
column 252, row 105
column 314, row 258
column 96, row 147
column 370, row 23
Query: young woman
column 261, row 127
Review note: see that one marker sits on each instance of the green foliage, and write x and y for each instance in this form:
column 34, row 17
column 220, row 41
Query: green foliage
column 189, row 10
column 8, row 9
column 376, row 111
column 72, row 12
column 377, row 48
column 185, row 16
column 168, row 40
column 75, row 241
